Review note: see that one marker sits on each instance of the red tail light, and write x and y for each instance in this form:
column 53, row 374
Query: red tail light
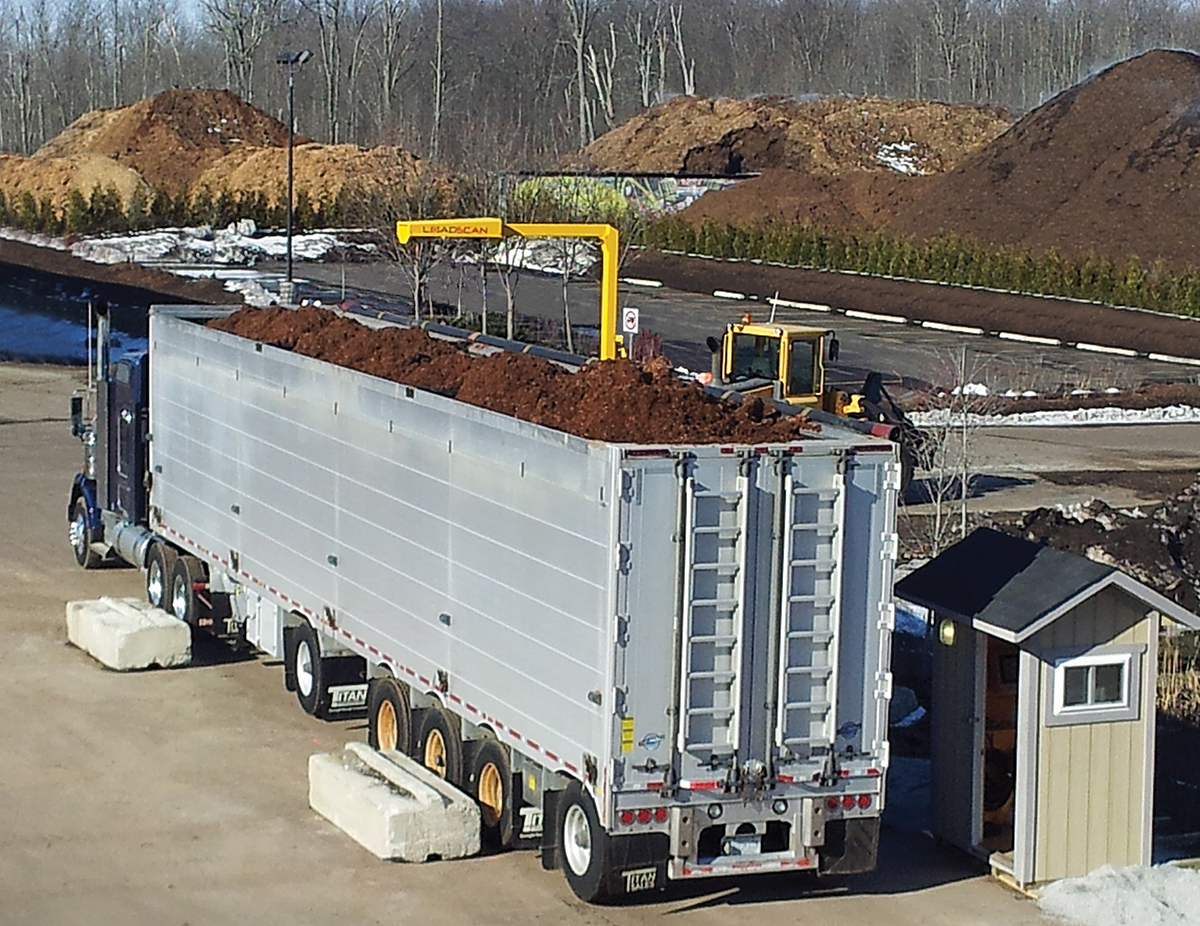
column 832, row 803
column 660, row 814
column 626, row 817
column 864, row 801
column 643, row 815
column 848, row 801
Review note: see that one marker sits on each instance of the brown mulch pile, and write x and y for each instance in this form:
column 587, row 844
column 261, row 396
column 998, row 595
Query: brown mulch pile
column 614, row 401
column 1150, row 395
column 828, row 136
column 172, row 137
column 182, row 141
column 1160, row 548
column 1108, row 166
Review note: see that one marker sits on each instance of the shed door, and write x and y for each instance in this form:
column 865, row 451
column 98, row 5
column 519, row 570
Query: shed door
column 956, row 739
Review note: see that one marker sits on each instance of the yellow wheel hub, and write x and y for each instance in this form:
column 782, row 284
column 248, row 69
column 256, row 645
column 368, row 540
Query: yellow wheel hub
column 490, row 793
column 435, row 753
column 387, row 730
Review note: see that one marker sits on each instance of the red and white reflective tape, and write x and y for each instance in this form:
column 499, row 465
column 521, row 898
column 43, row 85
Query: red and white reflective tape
column 362, row 644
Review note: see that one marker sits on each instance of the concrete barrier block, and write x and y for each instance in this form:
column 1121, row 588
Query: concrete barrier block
column 391, row 805
column 126, row 633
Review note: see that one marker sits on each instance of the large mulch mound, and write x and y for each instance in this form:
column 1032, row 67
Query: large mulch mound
column 53, row 178
column 851, row 201
column 172, row 137
column 322, row 171
column 1107, row 166
column 612, row 401
column 827, row 136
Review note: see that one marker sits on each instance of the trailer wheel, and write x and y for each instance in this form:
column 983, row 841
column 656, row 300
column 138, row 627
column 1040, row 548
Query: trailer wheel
column 186, row 574
column 307, row 669
column 490, row 783
column 81, row 536
column 583, row 845
column 389, row 716
column 439, row 747
column 160, row 562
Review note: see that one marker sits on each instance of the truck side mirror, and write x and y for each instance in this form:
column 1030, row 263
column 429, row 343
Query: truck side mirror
column 713, row 344
column 835, row 348
column 76, row 415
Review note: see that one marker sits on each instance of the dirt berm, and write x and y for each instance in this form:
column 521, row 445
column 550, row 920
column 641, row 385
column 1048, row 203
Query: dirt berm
column 611, row 401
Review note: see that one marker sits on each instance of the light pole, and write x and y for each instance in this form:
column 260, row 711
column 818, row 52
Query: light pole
column 293, row 61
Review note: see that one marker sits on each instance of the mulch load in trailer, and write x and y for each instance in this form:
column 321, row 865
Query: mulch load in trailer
column 616, row 401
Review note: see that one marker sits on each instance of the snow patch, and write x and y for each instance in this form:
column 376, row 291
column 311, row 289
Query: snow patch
column 1165, row 895
column 1168, row 414
column 900, row 156
column 238, row 243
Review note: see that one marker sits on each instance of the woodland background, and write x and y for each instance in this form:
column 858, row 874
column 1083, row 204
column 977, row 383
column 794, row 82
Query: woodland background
column 501, row 84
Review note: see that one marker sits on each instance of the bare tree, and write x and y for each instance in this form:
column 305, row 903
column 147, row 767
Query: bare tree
column 241, row 27
column 687, row 66
column 602, row 70
column 580, row 16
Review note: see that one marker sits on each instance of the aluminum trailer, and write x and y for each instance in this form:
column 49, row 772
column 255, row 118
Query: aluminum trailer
column 654, row 662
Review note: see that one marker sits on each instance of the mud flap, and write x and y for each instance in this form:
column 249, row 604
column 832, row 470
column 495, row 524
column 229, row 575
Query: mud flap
column 637, row 863
column 851, row 846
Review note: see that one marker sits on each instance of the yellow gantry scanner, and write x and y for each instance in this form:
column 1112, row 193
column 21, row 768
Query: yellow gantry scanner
column 498, row 228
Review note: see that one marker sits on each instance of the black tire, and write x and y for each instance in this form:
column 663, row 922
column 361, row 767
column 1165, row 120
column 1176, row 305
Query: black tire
column 389, row 715
column 160, row 562
column 186, row 574
column 438, row 745
column 490, row 782
column 81, row 536
column 582, row 845
column 307, row 669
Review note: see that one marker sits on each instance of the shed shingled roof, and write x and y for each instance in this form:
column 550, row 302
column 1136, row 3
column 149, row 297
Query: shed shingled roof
column 1011, row 588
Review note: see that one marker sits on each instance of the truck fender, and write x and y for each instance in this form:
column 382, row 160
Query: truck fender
column 81, row 485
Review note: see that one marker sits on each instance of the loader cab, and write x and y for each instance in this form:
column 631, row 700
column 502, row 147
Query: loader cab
column 785, row 362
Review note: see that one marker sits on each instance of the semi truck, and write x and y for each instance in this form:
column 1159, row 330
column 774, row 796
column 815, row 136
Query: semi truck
column 652, row 662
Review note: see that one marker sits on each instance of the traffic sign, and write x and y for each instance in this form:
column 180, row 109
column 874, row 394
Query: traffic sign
column 629, row 320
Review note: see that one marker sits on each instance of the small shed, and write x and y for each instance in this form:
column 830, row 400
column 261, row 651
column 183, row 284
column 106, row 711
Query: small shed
column 1043, row 705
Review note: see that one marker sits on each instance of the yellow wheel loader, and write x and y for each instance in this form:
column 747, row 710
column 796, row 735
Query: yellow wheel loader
column 787, row 363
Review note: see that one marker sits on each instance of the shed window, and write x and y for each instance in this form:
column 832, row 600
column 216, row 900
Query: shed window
column 1092, row 688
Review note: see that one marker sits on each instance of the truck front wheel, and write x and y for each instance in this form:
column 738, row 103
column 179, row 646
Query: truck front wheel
column 583, row 845
column 81, row 537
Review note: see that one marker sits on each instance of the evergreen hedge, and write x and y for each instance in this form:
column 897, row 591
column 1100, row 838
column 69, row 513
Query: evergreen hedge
column 947, row 259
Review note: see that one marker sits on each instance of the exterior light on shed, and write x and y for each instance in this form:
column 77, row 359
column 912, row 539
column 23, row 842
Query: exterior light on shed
column 946, row 632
